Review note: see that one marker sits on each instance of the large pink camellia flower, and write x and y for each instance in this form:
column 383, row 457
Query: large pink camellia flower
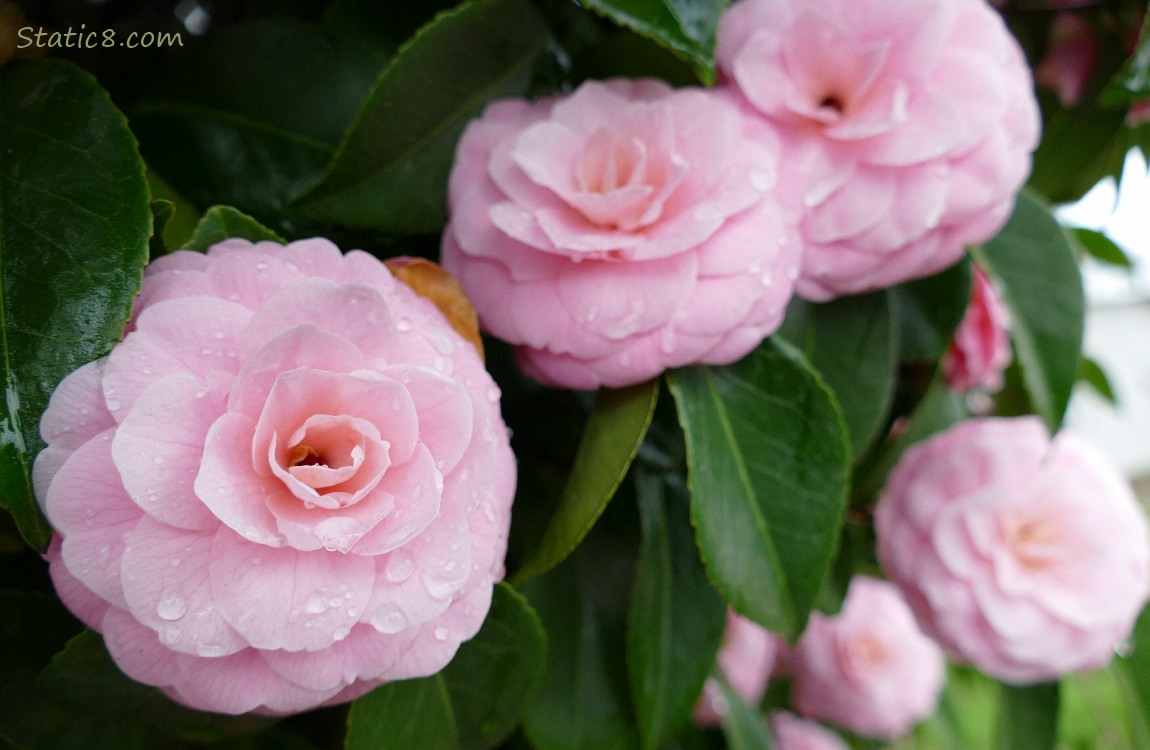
column 789, row 732
column 620, row 231
column 913, row 121
column 745, row 661
column 289, row 483
column 980, row 349
column 869, row 668
column 1026, row 557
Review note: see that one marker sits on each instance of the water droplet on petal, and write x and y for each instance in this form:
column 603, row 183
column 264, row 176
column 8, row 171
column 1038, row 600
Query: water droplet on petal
column 403, row 325
column 441, row 633
column 316, row 604
column 113, row 405
column 172, row 607
column 386, row 619
column 341, row 632
column 760, row 180
column 211, row 650
column 399, row 566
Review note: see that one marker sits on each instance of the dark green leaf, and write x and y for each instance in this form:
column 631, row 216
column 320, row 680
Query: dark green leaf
column 686, row 27
column 677, row 617
column 939, row 409
column 390, row 172
column 1092, row 373
column 583, row 703
column 1132, row 83
column 182, row 221
column 252, row 115
column 853, row 343
column 1102, row 248
column 619, row 420
column 74, row 228
column 768, row 461
column 497, row 673
column 403, row 715
column 1135, row 667
column 744, row 726
column 84, row 669
column 1047, row 308
column 1027, row 717
column 929, row 310
column 162, row 214
column 383, row 27
column 474, row 703
column 224, row 222
column 1079, row 147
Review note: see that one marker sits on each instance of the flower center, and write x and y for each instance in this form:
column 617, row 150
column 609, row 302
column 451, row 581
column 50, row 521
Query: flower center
column 609, row 163
column 1036, row 543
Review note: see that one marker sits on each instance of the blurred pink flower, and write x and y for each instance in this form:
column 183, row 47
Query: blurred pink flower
column 289, row 483
column 789, row 732
column 745, row 661
column 1026, row 557
column 620, row 231
column 1070, row 57
column 869, row 668
column 980, row 350
column 911, row 121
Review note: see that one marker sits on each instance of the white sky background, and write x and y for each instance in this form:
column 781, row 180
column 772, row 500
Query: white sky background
column 1118, row 318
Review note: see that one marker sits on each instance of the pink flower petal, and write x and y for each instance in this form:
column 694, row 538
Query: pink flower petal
column 167, row 588
column 281, row 598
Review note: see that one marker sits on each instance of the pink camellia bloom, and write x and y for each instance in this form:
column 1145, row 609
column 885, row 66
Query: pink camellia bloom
column 980, row 349
column 620, row 231
column 869, row 668
column 746, row 660
column 789, row 732
column 1070, row 58
column 1024, row 556
column 912, row 121
column 289, row 483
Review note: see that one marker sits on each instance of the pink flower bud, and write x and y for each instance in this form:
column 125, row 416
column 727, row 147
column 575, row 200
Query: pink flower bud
column 980, row 349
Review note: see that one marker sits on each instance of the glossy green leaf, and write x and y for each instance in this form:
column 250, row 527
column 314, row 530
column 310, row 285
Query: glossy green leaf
column 768, row 462
column 74, row 227
column 1027, row 717
column 939, row 409
column 1047, row 308
column 744, row 726
column 686, row 27
column 475, row 702
column 1132, row 83
column 497, row 673
column 162, row 214
column 677, row 617
column 853, row 343
column 383, row 27
column 619, row 420
column 390, row 173
column 1091, row 373
column 402, row 715
column 252, row 114
column 1135, row 667
column 220, row 223
column 1101, row 248
column 584, row 702
column 1079, row 147
column 929, row 310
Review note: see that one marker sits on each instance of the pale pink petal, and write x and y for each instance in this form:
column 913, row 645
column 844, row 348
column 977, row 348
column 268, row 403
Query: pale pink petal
column 88, row 506
column 158, row 448
column 167, row 588
column 230, row 487
column 281, row 598
column 364, row 654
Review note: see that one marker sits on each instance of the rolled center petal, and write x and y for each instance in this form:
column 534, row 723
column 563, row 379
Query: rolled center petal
column 330, row 461
column 1034, row 542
